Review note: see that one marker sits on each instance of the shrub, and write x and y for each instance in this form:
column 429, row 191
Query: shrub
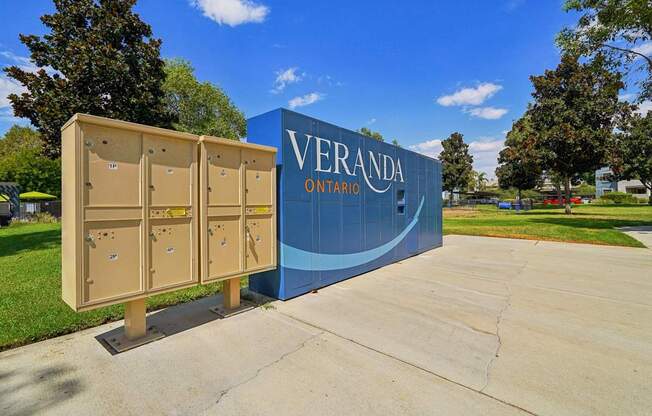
column 602, row 201
column 620, row 198
column 44, row 218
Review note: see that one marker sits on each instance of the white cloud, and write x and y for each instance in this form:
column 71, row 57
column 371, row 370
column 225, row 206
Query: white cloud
column 486, row 145
column 232, row 12
column 644, row 48
column 9, row 86
column 470, row 96
column 484, row 150
column 488, row 113
column 305, row 100
column 285, row 77
column 644, row 107
column 371, row 121
column 22, row 62
column 430, row 148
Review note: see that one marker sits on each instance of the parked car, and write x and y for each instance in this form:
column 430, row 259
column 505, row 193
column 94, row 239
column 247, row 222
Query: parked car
column 555, row 201
column 5, row 211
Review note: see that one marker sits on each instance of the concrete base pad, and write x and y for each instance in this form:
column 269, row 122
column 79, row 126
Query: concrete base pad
column 221, row 311
column 120, row 343
column 480, row 327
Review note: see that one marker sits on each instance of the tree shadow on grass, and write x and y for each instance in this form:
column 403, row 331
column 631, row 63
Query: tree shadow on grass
column 590, row 223
column 37, row 240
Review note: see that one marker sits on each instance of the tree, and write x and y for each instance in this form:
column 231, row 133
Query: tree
column 20, row 138
column 396, row 143
column 457, row 163
column 573, row 115
column 616, row 28
column 22, row 161
column 200, row 107
column 634, row 147
column 476, row 181
column 373, row 134
column 481, row 181
column 519, row 162
column 98, row 58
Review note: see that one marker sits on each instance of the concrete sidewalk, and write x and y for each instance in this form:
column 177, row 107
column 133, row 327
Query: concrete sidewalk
column 482, row 326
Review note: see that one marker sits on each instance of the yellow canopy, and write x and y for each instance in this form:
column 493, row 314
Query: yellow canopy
column 4, row 198
column 36, row 195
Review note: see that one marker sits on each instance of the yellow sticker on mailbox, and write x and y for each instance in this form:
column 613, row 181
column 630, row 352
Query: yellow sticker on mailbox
column 176, row 212
column 261, row 210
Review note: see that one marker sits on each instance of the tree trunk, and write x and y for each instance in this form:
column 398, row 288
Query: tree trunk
column 559, row 201
column 450, row 199
column 567, row 191
column 519, row 196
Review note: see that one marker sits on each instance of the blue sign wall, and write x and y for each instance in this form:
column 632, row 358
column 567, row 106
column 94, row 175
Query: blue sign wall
column 347, row 203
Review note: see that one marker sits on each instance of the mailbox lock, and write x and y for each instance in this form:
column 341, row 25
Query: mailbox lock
column 89, row 238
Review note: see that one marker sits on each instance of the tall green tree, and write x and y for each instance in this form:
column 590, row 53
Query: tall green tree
column 100, row 58
column 370, row 133
column 476, row 181
column 457, row 164
column 573, row 114
column 200, row 107
column 20, row 138
column 22, row 161
column 634, row 151
column 618, row 29
column 519, row 163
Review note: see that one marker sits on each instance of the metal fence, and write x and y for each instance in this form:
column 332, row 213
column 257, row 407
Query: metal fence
column 31, row 209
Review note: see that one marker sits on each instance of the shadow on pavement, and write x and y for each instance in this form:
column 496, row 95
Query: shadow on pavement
column 38, row 390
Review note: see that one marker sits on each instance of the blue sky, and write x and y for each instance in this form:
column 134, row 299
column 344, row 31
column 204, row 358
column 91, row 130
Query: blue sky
column 415, row 71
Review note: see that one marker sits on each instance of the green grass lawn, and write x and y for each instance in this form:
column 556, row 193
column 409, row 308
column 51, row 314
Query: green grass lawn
column 594, row 224
column 31, row 308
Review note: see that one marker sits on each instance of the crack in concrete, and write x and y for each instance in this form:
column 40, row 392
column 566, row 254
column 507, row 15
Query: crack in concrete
column 499, row 319
column 227, row 390
column 425, row 370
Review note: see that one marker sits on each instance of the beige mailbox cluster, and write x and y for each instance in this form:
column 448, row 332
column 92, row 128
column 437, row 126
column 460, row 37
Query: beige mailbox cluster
column 149, row 210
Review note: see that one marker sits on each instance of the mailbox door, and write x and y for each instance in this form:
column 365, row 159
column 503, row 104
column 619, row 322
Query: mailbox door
column 259, row 242
column 259, row 210
column 224, row 246
column 224, row 179
column 224, row 240
column 170, row 178
column 258, row 177
column 170, row 171
column 112, row 260
column 170, row 252
column 111, row 168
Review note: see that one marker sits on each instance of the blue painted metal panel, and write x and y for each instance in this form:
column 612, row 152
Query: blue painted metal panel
column 347, row 204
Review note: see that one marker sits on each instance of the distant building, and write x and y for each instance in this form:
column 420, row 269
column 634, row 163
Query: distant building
column 603, row 185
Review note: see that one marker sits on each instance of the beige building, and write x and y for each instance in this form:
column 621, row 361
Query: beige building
column 603, row 185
